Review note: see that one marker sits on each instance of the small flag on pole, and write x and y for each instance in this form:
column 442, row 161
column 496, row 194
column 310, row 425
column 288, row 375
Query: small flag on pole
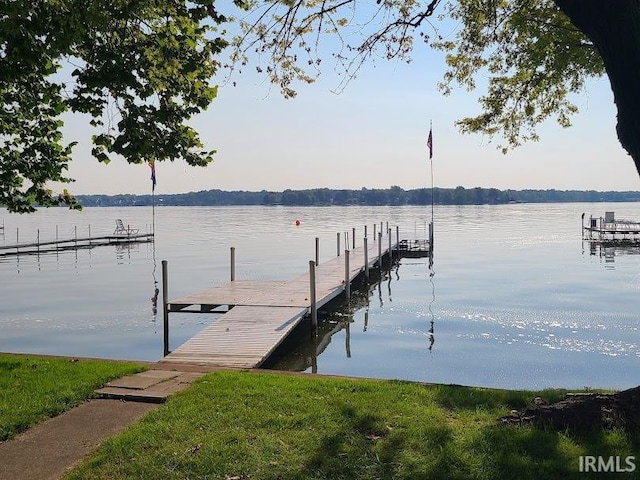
column 152, row 165
column 430, row 143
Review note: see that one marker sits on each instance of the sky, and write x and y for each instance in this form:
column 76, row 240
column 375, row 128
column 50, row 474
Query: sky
column 372, row 134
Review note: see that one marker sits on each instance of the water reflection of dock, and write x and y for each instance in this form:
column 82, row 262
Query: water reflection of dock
column 609, row 251
column 257, row 316
column 349, row 320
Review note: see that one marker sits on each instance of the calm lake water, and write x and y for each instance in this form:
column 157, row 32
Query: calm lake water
column 514, row 298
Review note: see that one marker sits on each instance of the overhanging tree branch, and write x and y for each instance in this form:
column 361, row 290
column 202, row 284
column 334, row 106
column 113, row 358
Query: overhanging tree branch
column 151, row 61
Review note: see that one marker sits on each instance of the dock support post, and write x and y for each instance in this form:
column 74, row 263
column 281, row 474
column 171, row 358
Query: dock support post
column 317, row 251
column 165, row 309
column 390, row 251
column 380, row 250
column 312, row 295
column 233, row 264
column 397, row 238
column 38, row 240
column 338, row 243
column 347, row 279
column 365, row 231
column 366, row 260
column 374, row 232
column 353, row 232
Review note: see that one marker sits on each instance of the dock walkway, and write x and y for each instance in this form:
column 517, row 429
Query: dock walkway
column 262, row 313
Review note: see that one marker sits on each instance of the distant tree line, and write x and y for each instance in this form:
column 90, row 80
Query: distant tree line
column 365, row 196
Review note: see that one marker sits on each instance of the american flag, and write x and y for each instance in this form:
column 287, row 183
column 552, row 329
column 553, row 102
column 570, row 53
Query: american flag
column 430, row 143
column 152, row 165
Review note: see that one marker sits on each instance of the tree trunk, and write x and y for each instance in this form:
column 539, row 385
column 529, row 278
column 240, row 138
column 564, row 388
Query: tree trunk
column 585, row 413
column 614, row 28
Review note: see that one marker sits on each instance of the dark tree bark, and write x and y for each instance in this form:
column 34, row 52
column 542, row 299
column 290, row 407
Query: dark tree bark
column 585, row 412
column 614, row 28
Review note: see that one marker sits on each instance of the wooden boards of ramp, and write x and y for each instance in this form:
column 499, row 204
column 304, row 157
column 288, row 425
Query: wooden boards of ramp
column 244, row 337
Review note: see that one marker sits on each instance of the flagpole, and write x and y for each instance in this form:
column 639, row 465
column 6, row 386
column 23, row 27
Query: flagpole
column 153, row 212
column 430, row 145
column 431, row 160
column 152, row 165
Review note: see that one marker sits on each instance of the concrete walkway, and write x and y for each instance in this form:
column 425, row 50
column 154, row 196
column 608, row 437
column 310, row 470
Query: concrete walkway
column 50, row 448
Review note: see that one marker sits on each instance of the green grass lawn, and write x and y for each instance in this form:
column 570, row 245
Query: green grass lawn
column 34, row 388
column 247, row 425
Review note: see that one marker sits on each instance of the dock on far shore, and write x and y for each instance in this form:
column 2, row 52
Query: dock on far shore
column 121, row 235
column 258, row 315
column 609, row 230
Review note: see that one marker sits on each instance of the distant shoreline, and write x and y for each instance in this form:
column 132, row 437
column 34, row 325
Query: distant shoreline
column 394, row 196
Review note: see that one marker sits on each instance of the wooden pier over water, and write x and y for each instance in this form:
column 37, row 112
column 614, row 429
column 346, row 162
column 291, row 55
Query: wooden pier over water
column 609, row 230
column 73, row 243
column 259, row 315
column 121, row 235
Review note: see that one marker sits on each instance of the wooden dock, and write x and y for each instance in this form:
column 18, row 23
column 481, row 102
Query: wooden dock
column 260, row 314
column 609, row 230
column 73, row 243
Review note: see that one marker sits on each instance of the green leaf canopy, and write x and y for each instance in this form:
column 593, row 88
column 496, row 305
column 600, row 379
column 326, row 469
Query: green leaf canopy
column 139, row 68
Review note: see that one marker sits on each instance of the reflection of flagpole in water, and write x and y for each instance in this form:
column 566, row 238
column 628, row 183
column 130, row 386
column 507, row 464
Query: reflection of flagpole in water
column 156, row 290
column 432, row 338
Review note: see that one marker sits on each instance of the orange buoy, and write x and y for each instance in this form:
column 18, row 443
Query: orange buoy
column 297, row 223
